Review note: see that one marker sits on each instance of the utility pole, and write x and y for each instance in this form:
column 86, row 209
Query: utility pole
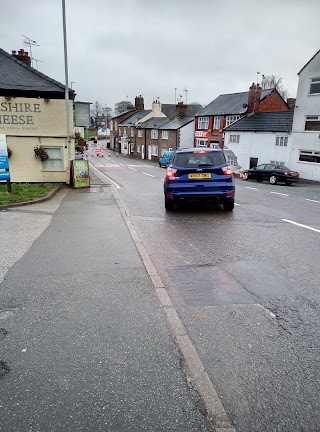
column 186, row 90
column 66, row 80
column 175, row 96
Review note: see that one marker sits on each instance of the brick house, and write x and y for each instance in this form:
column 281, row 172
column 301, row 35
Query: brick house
column 149, row 133
column 228, row 108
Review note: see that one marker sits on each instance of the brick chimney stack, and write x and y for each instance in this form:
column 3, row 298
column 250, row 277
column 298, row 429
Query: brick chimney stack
column 139, row 103
column 22, row 56
column 181, row 109
column 291, row 103
column 254, row 98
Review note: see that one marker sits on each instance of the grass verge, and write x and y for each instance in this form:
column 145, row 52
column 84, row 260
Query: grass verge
column 21, row 192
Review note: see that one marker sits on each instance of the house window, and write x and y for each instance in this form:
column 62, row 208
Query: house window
column 312, row 123
column 315, row 86
column 234, row 138
column 231, row 119
column 124, row 131
column 309, row 156
column 201, row 142
column 165, row 135
column 281, row 141
column 139, row 133
column 139, row 148
column 132, row 147
column 231, row 160
column 216, row 123
column 203, row 122
column 132, row 132
column 111, row 126
column 154, row 134
column 154, row 150
column 55, row 161
column 119, row 130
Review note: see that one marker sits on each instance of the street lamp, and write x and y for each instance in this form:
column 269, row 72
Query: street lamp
column 66, row 80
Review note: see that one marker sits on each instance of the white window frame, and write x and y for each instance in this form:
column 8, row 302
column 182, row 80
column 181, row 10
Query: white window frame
column 231, row 119
column 165, row 134
column 132, row 132
column 277, row 163
column 138, row 148
column 111, row 126
column 119, row 130
column 203, row 123
column 201, row 142
column 234, row 138
column 281, row 141
column 154, row 133
column 46, row 163
column 314, row 153
column 310, row 119
column 132, row 147
column 216, row 122
column 124, row 130
column 154, row 150
column 139, row 133
column 314, row 81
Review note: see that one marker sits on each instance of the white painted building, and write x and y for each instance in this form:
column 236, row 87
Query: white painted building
column 305, row 156
column 261, row 138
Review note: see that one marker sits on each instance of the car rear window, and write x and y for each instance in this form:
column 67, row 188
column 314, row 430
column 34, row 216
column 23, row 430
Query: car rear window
column 190, row 160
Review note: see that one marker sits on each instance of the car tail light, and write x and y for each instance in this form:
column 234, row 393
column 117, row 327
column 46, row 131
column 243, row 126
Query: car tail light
column 230, row 194
column 171, row 172
column 287, row 173
column 227, row 170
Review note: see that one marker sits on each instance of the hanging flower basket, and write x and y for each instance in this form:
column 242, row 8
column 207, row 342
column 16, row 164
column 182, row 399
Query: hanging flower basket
column 40, row 153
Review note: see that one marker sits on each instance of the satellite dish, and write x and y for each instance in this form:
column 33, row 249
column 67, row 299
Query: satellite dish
column 245, row 105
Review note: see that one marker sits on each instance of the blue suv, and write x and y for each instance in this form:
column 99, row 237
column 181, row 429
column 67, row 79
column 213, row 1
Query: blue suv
column 199, row 174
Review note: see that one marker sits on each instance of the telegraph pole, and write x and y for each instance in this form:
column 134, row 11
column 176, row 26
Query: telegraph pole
column 66, row 80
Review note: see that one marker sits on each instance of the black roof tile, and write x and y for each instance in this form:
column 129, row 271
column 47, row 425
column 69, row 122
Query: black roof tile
column 264, row 122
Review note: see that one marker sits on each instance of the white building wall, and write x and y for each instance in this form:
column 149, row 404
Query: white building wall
column 261, row 145
column 186, row 138
column 306, row 105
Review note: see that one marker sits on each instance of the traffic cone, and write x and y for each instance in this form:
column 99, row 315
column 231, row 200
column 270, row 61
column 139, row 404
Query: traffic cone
column 109, row 154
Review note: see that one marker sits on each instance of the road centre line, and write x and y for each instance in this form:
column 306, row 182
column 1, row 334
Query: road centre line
column 307, row 199
column 133, row 169
column 150, row 175
column 278, row 193
column 301, row 225
column 248, row 187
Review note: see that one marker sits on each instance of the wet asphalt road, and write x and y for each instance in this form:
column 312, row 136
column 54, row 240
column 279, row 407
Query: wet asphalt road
column 247, row 287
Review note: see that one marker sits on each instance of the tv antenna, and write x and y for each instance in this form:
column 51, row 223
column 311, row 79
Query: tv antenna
column 37, row 62
column 186, row 91
column 27, row 42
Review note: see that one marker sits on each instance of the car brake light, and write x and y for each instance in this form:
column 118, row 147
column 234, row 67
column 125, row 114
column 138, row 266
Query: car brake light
column 287, row 173
column 171, row 172
column 227, row 170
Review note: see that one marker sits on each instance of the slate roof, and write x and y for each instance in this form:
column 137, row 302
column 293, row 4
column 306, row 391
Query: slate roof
column 170, row 110
column 138, row 115
column 154, row 123
column 124, row 112
column 264, row 122
column 232, row 103
column 177, row 123
column 19, row 78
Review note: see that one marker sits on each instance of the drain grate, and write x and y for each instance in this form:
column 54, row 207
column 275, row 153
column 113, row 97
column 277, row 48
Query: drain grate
column 4, row 368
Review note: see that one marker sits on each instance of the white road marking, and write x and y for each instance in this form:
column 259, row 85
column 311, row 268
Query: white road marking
column 133, row 169
column 103, row 175
column 301, row 225
column 248, row 187
column 307, row 199
column 278, row 193
column 150, row 175
column 236, row 204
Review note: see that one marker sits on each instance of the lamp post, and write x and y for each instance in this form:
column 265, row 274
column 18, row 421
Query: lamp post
column 66, row 80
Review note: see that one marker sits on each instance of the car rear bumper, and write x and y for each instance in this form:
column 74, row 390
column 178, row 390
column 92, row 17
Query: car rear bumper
column 216, row 196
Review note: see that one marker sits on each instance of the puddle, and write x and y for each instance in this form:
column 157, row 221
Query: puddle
column 4, row 314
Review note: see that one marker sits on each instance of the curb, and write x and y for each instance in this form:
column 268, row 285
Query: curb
column 34, row 201
column 197, row 376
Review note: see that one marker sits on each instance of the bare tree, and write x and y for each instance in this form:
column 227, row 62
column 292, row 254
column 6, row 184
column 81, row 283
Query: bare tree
column 122, row 106
column 272, row 81
column 107, row 111
column 96, row 109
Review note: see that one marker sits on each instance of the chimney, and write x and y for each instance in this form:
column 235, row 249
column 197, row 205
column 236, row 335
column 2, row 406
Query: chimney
column 139, row 103
column 22, row 56
column 181, row 109
column 156, row 108
column 291, row 103
column 254, row 98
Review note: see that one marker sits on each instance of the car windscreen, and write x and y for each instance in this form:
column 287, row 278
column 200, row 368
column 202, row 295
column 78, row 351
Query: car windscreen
column 196, row 159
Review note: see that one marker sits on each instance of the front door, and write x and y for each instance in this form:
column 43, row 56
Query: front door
column 253, row 162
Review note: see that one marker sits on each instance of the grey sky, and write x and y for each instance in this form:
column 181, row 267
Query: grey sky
column 130, row 47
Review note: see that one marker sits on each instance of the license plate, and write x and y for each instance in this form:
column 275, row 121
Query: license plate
column 294, row 174
column 199, row 176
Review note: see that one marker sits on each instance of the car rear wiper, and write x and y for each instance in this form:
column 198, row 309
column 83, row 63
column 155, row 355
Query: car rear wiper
column 205, row 164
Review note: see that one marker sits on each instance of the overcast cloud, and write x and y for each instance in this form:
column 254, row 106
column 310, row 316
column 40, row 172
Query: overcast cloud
column 119, row 49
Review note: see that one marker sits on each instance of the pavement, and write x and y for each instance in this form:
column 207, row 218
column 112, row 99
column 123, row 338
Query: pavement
column 85, row 344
